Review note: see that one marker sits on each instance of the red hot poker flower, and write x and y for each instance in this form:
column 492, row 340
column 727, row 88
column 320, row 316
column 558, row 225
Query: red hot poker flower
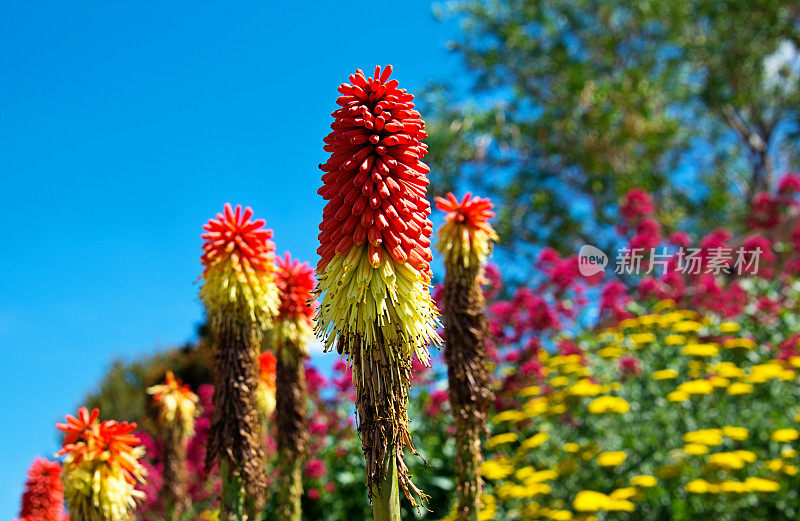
column 474, row 212
column 375, row 181
column 44, row 494
column 86, row 439
column 465, row 237
column 233, row 235
column 295, row 280
column 267, row 364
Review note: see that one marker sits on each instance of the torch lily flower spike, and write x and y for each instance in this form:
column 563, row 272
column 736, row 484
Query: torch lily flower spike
column 177, row 409
column 241, row 300
column 374, row 272
column 293, row 330
column 466, row 239
column 101, row 467
column 43, row 498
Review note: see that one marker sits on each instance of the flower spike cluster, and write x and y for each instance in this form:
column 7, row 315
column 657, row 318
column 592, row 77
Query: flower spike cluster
column 101, row 467
column 295, row 280
column 375, row 232
column 239, row 264
column 466, row 236
column 176, row 404
column 374, row 272
column 466, row 239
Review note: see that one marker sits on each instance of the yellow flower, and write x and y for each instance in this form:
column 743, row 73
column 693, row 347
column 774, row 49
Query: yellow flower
column 559, row 515
column 643, row 481
column 726, row 460
column 701, row 350
column 746, row 455
column 687, row 326
column 510, row 415
column 719, row 382
column 571, row 447
column 729, row 327
column 610, row 352
column 674, row 340
column 624, row 493
column 696, row 387
column 774, row 465
column 533, row 390
column 789, row 469
column 639, row 339
column 695, row 449
column 739, row 343
column 501, row 439
column 628, row 323
column 739, row 388
column 559, row 381
column 788, row 453
column 697, row 486
column 785, row 435
column 710, row 437
column 534, row 441
column 664, row 305
column 590, row 501
column 585, row 387
column 733, row 487
column 678, row 396
column 665, row 374
column 540, row 476
column 496, row 469
column 611, row 459
column 735, row 433
column 728, row 370
column 755, row 484
column 609, row 404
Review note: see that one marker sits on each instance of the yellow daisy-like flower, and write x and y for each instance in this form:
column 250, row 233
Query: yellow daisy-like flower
column 755, row 484
column 611, row 459
column 710, row 437
column 729, row 327
column 698, row 486
column 739, row 388
column 695, row 449
column 726, row 460
column 785, row 435
column 534, row 441
column 735, row 433
column 665, row 374
column 571, row 447
column 496, row 469
column 678, row 396
column 703, row 350
column 609, row 404
column 687, row 326
column 643, row 481
column 739, row 343
column 501, row 439
column 674, row 340
column 696, row 387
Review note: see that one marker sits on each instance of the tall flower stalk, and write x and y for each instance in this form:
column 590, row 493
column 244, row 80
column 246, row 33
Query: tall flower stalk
column 101, row 467
column 293, row 330
column 465, row 240
column 241, row 299
column 374, row 272
column 177, row 409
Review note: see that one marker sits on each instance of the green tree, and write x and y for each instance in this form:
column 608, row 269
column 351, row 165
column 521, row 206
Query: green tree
column 574, row 102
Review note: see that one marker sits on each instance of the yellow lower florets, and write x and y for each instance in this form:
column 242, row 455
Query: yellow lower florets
column 464, row 247
column 231, row 288
column 389, row 301
column 97, row 492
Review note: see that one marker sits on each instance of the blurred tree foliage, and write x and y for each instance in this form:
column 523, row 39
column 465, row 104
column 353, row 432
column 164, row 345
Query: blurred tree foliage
column 573, row 102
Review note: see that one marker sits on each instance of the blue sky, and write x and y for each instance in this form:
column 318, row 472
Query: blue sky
column 123, row 127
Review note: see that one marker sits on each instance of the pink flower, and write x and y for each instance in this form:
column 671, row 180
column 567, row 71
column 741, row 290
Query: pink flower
column 636, row 204
column 315, row 469
column 789, row 184
column 313, row 494
column 629, row 366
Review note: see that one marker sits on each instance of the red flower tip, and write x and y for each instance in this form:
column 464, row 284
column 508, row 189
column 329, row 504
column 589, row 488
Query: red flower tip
column 475, row 212
column 233, row 234
column 267, row 366
column 375, row 181
column 86, row 439
column 295, row 280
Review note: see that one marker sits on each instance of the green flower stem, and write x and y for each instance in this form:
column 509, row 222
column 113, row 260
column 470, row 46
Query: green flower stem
column 386, row 496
